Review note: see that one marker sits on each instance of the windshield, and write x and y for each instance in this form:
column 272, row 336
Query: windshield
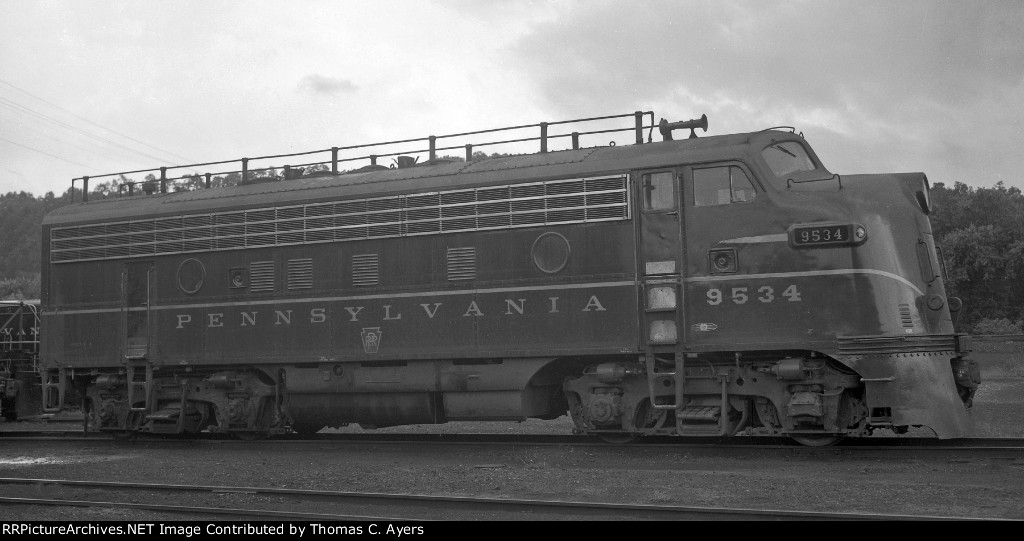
column 787, row 157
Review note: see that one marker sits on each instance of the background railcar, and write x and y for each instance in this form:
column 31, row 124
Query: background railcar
column 699, row 286
column 19, row 355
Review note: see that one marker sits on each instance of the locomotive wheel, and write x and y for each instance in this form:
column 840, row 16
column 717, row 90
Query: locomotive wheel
column 251, row 435
column 648, row 417
column 618, row 438
column 816, row 440
column 132, row 424
column 305, row 430
column 126, row 436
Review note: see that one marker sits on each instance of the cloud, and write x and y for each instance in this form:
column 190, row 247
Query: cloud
column 314, row 83
column 876, row 86
column 930, row 76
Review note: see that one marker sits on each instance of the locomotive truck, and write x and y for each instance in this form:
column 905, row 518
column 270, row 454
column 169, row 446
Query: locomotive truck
column 712, row 285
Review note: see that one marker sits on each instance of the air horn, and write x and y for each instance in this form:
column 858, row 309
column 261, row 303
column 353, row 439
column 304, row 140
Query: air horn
column 665, row 127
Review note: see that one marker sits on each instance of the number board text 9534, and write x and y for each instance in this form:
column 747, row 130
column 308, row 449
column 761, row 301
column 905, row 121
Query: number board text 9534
column 823, row 235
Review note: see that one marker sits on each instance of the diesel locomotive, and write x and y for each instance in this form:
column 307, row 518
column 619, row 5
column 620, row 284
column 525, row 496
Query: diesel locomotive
column 712, row 285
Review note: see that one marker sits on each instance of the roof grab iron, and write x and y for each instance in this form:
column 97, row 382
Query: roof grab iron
column 665, row 127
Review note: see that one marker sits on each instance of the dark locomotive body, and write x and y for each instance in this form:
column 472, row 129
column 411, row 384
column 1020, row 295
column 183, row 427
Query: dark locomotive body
column 701, row 286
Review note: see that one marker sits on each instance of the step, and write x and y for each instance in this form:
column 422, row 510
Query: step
column 700, row 414
column 698, row 430
column 165, row 415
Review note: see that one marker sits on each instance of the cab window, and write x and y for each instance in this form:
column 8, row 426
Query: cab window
column 721, row 186
column 659, row 191
column 787, row 157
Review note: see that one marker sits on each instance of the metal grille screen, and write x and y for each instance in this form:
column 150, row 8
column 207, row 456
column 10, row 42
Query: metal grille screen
column 571, row 201
column 300, row 273
column 261, row 276
column 461, row 264
column 365, row 270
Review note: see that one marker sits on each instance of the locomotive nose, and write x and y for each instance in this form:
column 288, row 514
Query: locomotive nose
column 917, row 184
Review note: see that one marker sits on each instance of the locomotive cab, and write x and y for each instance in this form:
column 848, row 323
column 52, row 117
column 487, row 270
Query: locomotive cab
column 780, row 298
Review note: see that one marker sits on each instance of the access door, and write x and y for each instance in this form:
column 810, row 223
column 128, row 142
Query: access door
column 734, row 261
column 136, row 298
column 661, row 258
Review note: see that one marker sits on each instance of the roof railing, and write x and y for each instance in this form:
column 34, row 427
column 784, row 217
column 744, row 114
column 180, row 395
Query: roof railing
column 292, row 171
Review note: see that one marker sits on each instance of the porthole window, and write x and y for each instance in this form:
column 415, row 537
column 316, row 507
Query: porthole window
column 550, row 252
column 191, row 274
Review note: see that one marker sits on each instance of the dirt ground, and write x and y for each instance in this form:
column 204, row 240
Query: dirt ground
column 845, row 482
column 999, row 405
column 963, row 487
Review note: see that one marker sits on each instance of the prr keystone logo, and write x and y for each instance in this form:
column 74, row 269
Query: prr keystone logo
column 371, row 339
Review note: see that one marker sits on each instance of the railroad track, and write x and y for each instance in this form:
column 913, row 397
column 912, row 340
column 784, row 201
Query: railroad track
column 997, row 337
column 364, row 506
column 1002, row 447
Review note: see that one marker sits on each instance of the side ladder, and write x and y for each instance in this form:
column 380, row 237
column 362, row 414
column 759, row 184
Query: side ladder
column 140, row 390
column 54, row 389
column 690, row 420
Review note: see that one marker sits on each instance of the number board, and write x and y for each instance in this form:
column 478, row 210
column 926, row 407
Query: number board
column 822, row 235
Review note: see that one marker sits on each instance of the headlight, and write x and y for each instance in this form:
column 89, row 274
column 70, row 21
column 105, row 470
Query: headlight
column 923, row 195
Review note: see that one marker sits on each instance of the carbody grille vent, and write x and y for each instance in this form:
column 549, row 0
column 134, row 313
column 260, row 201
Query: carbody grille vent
column 300, row 273
column 261, row 276
column 887, row 345
column 571, row 201
column 461, row 264
column 365, row 270
column 906, row 319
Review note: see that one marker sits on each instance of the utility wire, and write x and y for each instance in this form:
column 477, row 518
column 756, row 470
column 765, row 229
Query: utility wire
column 4, row 102
column 12, row 171
column 41, row 131
column 29, row 94
column 55, row 139
column 44, row 152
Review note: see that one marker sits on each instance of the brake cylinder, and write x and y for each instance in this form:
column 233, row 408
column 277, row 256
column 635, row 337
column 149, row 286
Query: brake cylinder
column 791, row 368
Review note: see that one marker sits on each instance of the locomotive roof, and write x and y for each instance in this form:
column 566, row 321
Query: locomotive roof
column 421, row 178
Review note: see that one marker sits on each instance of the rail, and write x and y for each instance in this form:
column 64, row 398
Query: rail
column 997, row 337
column 291, row 171
column 415, row 507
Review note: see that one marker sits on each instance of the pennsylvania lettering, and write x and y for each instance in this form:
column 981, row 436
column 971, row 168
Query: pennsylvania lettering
column 511, row 307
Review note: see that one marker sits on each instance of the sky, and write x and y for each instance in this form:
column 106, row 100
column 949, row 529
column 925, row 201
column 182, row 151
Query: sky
column 104, row 86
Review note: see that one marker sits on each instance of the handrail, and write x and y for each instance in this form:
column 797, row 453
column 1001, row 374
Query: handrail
column 431, row 150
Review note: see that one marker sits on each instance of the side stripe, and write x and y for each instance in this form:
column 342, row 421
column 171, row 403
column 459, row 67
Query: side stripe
column 778, row 237
column 623, row 283
column 835, row 272
column 350, row 298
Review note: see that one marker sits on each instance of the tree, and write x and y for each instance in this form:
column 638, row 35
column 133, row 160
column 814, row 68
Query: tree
column 981, row 233
column 264, row 173
column 315, row 168
column 20, row 288
column 189, row 183
column 21, row 217
column 478, row 155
